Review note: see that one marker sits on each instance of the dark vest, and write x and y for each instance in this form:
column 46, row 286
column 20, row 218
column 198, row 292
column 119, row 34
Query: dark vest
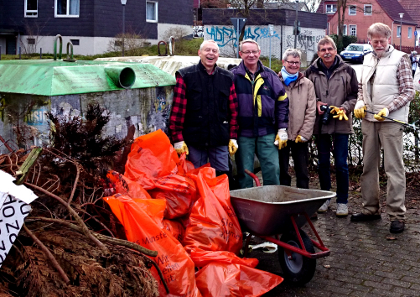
column 208, row 115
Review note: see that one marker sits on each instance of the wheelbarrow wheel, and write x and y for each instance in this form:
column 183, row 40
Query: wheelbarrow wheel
column 297, row 269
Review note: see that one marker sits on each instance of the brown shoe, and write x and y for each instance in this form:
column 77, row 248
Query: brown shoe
column 397, row 227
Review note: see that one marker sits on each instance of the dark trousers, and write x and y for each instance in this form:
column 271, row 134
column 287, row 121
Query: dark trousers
column 339, row 143
column 300, row 160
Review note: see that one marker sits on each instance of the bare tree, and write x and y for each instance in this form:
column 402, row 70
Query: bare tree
column 341, row 14
column 33, row 31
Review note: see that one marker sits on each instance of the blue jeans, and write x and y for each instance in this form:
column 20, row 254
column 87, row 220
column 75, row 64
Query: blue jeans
column 339, row 142
column 217, row 156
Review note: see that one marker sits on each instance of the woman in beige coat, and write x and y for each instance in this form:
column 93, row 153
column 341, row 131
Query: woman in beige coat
column 302, row 113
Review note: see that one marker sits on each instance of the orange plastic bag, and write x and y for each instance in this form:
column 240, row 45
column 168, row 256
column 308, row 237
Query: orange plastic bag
column 153, row 207
column 151, row 156
column 175, row 228
column 213, row 225
column 202, row 258
column 179, row 193
column 227, row 280
column 172, row 259
column 184, row 166
column 125, row 186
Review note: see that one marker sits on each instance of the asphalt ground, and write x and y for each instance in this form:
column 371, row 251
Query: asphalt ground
column 365, row 260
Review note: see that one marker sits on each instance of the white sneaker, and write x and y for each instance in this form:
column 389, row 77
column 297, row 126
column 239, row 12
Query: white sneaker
column 342, row 210
column 324, row 207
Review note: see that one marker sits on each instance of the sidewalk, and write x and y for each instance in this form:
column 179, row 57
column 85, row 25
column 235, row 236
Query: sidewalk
column 366, row 260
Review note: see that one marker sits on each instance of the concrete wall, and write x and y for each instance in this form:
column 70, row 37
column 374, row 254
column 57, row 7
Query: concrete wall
column 218, row 26
column 24, row 115
column 283, row 38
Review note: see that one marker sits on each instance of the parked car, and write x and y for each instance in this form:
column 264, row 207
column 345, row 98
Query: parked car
column 355, row 52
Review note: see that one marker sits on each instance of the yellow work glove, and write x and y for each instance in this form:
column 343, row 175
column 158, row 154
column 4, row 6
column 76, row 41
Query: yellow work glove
column 181, row 147
column 341, row 114
column 300, row 138
column 281, row 138
column 233, row 146
column 380, row 115
column 359, row 110
column 334, row 109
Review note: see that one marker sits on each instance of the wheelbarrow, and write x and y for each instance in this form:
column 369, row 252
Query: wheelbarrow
column 271, row 211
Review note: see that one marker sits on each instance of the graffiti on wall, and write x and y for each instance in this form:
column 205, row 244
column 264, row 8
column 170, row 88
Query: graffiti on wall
column 198, row 31
column 305, row 41
column 224, row 35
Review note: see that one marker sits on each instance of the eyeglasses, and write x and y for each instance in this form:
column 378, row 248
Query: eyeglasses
column 250, row 52
column 293, row 63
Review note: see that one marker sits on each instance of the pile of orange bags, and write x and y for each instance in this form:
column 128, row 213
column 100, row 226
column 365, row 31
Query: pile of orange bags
column 185, row 214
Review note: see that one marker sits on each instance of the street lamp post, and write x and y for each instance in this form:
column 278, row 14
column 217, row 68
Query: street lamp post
column 296, row 22
column 401, row 17
column 123, row 2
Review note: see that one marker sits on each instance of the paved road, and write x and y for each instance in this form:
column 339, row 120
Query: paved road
column 366, row 260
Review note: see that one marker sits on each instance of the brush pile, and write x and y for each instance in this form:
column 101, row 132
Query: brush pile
column 71, row 243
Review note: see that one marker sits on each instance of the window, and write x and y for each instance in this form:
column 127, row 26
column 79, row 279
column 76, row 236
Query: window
column 75, row 41
column 352, row 9
column 353, row 31
column 398, row 31
column 151, row 11
column 368, row 9
column 31, row 40
column 331, row 8
column 410, row 32
column 67, row 8
column 31, row 8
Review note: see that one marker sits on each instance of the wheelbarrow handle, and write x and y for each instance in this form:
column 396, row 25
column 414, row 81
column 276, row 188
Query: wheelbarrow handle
column 257, row 181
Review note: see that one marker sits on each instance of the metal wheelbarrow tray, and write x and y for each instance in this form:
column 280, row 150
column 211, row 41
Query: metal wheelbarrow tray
column 269, row 211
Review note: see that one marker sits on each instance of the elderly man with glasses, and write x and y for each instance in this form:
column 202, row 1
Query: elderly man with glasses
column 385, row 89
column 336, row 87
column 262, row 118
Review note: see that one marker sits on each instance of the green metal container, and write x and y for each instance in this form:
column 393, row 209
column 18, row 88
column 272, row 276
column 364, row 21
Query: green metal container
column 55, row 77
column 137, row 95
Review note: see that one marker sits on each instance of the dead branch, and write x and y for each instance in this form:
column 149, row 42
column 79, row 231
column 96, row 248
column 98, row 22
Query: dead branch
column 75, row 181
column 102, row 237
column 48, row 255
column 85, row 229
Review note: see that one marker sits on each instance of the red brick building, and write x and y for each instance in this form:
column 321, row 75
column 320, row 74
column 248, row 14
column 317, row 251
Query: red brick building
column 360, row 14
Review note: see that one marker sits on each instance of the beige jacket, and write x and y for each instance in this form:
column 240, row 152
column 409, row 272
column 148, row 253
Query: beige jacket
column 302, row 107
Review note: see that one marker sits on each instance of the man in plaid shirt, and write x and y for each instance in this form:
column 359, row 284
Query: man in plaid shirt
column 386, row 89
column 203, row 121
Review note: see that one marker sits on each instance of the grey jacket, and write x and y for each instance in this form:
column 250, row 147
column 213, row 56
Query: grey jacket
column 339, row 90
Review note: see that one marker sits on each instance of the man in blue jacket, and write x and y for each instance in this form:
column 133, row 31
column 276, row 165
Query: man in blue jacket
column 263, row 109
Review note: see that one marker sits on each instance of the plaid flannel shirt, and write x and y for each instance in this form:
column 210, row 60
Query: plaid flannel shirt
column 179, row 108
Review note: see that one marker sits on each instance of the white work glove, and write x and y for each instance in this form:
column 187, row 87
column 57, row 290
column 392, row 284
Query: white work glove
column 233, row 146
column 359, row 109
column 380, row 115
column 181, row 147
column 281, row 138
column 300, row 138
